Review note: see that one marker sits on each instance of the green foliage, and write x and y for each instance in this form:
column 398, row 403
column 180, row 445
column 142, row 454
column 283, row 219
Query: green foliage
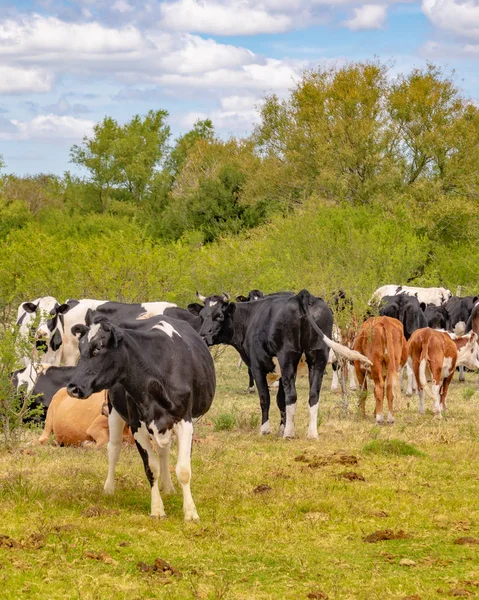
column 391, row 448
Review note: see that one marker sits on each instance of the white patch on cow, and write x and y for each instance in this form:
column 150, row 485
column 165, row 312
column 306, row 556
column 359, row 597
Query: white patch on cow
column 265, row 428
column 446, row 366
column 290, row 412
column 115, row 425
column 166, row 328
column 163, row 444
column 390, row 418
column 184, row 434
column 213, row 302
column 420, row 393
column 93, row 331
column 143, row 438
column 353, row 382
column 313, row 422
column 335, row 381
column 437, row 399
column 379, row 418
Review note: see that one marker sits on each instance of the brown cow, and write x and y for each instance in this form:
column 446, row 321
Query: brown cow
column 78, row 422
column 382, row 340
column 433, row 356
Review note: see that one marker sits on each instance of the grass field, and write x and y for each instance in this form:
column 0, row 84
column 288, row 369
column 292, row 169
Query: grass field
column 279, row 518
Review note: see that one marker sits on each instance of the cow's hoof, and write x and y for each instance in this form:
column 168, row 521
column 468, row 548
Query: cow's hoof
column 289, row 434
column 313, row 436
column 158, row 517
column 265, row 428
column 193, row 516
column 250, row 390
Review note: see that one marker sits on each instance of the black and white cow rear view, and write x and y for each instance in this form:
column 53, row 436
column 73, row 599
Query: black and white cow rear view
column 160, row 376
column 283, row 326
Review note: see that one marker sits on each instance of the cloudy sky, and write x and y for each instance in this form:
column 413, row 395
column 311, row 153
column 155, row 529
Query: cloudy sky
column 65, row 64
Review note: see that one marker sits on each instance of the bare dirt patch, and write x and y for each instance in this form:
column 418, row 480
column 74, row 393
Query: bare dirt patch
column 350, row 476
column 99, row 511
column 465, row 541
column 385, row 535
column 159, row 566
column 262, row 488
column 317, row 461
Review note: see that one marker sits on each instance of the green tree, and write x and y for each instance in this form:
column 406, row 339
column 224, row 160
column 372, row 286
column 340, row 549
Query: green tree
column 97, row 154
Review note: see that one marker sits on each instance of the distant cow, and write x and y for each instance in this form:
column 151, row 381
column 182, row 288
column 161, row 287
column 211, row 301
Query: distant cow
column 437, row 317
column 434, row 295
column 460, row 309
column 160, row 376
column 405, row 309
column 283, row 326
column 45, row 333
column 381, row 339
column 433, row 356
column 76, row 422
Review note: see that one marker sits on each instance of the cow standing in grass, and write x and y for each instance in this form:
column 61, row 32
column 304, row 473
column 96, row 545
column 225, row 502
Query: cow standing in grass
column 160, row 376
column 433, row 356
column 283, row 326
column 382, row 340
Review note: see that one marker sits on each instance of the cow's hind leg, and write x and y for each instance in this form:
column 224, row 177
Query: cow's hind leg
column 264, row 399
column 184, row 433
column 281, row 403
column 115, row 426
column 288, row 365
column 167, row 486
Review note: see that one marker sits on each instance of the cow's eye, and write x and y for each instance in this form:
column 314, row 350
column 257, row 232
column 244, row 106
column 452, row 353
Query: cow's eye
column 96, row 351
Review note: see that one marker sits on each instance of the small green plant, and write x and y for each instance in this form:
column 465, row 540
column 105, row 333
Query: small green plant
column 224, row 422
column 391, row 448
column 247, row 420
column 468, row 393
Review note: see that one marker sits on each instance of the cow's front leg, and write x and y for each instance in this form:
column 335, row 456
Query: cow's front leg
column 144, row 439
column 184, row 433
column 115, row 426
column 288, row 367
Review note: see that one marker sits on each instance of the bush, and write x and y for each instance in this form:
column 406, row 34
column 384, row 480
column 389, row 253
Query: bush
column 224, row 422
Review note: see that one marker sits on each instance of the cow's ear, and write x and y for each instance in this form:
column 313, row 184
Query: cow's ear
column 116, row 336
column 475, row 299
column 56, row 341
column 195, row 308
column 423, row 306
column 241, row 299
column 29, row 307
column 63, row 308
column 80, row 330
column 230, row 309
column 89, row 317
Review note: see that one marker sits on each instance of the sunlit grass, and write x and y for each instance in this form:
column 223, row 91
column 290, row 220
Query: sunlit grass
column 278, row 517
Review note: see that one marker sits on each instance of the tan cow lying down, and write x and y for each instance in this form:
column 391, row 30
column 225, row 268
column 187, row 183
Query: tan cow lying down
column 433, row 356
column 382, row 340
column 78, row 422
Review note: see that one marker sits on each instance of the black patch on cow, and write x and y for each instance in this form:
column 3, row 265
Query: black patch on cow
column 56, row 341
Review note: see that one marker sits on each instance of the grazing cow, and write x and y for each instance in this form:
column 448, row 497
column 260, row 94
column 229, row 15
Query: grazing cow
column 282, row 326
column 160, row 376
column 433, row 356
column 76, row 422
column 382, row 340
column 437, row 317
column 434, row 295
column 405, row 309
column 47, row 331
column 117, row 312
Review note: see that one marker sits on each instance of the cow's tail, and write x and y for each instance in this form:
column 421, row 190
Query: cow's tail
column 393, row 366
column 422, row 369
column 304, row 300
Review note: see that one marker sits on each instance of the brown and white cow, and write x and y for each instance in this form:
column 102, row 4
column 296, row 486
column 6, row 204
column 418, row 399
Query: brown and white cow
column 382, row 340
column 79, row 422
column 433, row 356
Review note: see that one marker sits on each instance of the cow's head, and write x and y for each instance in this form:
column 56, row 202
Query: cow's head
column 101, row 358
column 468, row 354
column 216, row 318
column 41, row 320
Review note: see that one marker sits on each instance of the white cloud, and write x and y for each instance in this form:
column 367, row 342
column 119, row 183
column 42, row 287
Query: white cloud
column 369, row 16
column 121, row 6
column 18, row 80
column 48, row 127
column 223, row 18
column 460, row 18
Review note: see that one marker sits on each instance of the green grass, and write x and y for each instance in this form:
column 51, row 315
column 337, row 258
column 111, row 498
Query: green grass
column 304, row 535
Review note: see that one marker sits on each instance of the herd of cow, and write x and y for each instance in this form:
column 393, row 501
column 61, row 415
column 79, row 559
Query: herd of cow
column 106, row 366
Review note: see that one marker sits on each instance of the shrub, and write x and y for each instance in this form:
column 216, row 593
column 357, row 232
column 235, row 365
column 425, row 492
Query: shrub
column 391, row 448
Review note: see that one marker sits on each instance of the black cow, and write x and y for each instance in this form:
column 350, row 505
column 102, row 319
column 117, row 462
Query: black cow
column 437, row 317
column 284, row 326
column 406, row 309
column 251, row 297
column 160, row 375
column 460, row 309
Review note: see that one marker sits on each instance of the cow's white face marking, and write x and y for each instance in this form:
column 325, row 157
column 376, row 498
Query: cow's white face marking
column 213, row 302
column 166, row 328
column 93, row 331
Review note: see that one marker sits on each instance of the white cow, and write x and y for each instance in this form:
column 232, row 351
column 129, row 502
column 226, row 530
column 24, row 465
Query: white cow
column 433, row 295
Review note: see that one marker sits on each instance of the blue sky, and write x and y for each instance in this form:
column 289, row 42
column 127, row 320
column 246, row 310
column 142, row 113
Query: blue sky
column 64, row 65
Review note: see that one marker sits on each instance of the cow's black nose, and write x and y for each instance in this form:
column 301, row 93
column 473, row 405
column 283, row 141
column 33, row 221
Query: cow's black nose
column 74, row 391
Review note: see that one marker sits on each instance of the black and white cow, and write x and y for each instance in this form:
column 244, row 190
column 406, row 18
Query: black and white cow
column 161, row 376
column 282, row 326
column 117, row 312
column 460, row 309
column 432, row 295
column 41, row 321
